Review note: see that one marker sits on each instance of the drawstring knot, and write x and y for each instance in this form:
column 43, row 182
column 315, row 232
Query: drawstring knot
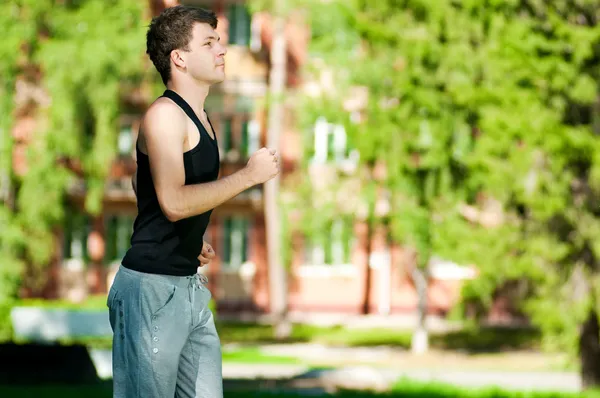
column 197, row 280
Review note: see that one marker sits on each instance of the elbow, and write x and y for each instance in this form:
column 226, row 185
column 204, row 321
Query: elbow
column 170, row 211
column 172, row 216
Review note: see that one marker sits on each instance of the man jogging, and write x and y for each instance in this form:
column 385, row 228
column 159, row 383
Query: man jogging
column 165, row 343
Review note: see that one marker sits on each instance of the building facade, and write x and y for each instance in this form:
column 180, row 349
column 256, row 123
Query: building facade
column 336, row 275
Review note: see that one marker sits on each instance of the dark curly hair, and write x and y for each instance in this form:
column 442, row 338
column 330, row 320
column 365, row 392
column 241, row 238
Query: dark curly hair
column 172, row 30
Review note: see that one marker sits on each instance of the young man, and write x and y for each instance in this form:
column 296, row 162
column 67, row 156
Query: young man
column 165, row 343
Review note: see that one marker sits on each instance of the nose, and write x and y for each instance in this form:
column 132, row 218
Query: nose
column 222, row 50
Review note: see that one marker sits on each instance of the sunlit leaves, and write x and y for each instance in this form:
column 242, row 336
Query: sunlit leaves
column 84, row 50
column 490, row 104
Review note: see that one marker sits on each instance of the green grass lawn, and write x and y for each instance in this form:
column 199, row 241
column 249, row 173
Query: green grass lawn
column 471, row 339
column 253, row 355
column 91, row 303
column 405, row 389
column 475, row 340
column 232, row 332
column 501, row 345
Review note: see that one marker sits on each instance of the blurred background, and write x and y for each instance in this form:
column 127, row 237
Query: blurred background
column 435, row 231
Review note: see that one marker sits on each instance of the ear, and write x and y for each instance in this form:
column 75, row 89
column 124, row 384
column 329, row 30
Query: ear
column 178, row 58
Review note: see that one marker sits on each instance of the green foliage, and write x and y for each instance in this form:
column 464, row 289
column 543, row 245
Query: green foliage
column 87, row 51
column 18, row 28
column 533, row 107
column 80, row 56
column 411, row 125
column 86, row 98
column 485, row 108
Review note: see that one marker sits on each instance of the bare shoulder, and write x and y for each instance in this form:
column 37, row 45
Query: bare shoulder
column 163, row 117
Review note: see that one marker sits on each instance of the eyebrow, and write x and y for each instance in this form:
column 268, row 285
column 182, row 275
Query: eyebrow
column 211, row 37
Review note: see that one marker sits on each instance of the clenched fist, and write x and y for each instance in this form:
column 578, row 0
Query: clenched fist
column 207, row 254
column 263, row 165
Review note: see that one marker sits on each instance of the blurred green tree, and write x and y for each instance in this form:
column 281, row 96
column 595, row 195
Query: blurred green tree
column 17, row 32
column 377, row 68
column 76, row 61
column 484, row 116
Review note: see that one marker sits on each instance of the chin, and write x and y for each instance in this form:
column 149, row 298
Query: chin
column 210, row 79
column 221, row 76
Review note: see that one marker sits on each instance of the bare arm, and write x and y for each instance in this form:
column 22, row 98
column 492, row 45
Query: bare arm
column 164, row 135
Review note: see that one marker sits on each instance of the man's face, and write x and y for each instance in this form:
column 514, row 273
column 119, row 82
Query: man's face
column 205, row 60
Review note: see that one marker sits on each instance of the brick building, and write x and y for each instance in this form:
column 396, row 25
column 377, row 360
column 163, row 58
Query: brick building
column 322, row 279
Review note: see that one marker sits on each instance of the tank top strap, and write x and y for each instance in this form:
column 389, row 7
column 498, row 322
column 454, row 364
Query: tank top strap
column 172, row 95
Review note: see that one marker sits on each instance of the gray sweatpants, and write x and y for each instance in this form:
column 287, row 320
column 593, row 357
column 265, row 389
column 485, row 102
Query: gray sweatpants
column 165, row 343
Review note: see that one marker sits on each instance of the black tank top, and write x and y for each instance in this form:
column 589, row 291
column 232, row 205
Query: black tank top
column 158, row 245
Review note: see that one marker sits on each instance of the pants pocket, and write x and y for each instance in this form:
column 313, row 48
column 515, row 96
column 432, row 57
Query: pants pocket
column 158, row 296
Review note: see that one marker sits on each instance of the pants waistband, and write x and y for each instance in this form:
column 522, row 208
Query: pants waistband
column 179, row 281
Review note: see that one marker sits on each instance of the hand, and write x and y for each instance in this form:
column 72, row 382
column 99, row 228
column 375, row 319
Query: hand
column 263, row 165
column 206, row 255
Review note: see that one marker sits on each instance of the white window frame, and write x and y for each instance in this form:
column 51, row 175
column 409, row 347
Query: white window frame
column 322, row 133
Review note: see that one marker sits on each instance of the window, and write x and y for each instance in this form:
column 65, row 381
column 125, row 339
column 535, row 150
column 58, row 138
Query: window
column 240, row 137
column 239, row 24
column 255, row 31
column 253, row 137
column 330, row 142
column 235, row 241
column 118, row 230
column 77, row 227
column 250, row 137
column 333, row 246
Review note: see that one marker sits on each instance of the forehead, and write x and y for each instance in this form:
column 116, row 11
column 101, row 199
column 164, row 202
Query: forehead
column 202, row 31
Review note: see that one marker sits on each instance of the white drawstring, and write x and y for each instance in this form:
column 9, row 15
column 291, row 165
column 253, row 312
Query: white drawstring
column 196, row 282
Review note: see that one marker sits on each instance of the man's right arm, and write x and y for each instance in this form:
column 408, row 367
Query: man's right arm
column 164, row 129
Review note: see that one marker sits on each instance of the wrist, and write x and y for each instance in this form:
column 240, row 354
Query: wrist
column 247, row 178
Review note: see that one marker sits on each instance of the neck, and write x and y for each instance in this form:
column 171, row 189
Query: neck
column 193, row 93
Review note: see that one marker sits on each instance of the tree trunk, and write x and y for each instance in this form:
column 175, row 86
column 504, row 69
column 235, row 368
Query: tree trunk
column 420, row 339
column 366, row 304
column 589, row 351
column 277, row 274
